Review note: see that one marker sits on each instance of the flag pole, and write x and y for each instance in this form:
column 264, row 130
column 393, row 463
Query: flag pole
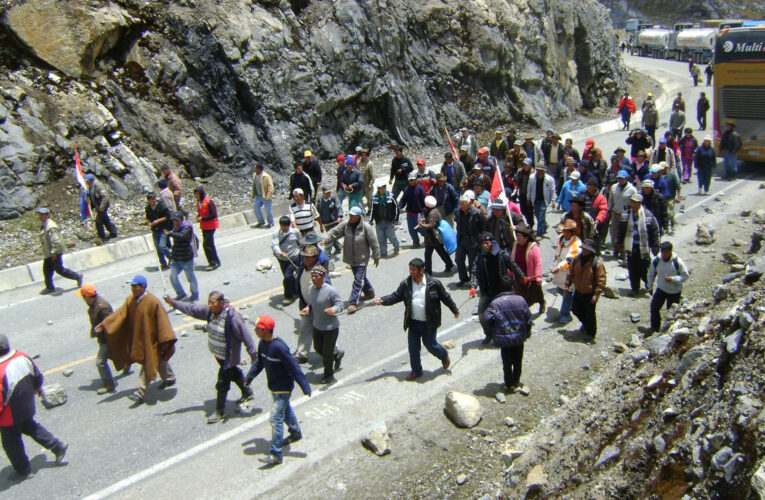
column 503, row 196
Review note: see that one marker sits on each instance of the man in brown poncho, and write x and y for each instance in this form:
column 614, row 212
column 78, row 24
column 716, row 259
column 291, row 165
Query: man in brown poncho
column 140, row 332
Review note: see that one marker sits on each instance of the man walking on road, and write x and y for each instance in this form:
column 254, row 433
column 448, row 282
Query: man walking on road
column 98, row 310
column 669, row 272
column 470, row 223
column 99, row 202
column 385, row 217
column 618, row 203
column 330, row 213
column 285, row 245
column 588, row 277
column 323, row 305
column 540, row 193
column 702, row 106
column 140, row 331
column 509, row 319
column 173, row 184
column 183, row 253
column 158, row 217
column 262, row 196
column 359, row 244
column 422, row 296
column 52, row 249
column 640, row 229
column 282, row 372
column 225, row 334
column 730, row 143
column 20, row 380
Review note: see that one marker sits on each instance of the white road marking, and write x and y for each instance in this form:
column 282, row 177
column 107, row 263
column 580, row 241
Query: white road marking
column 184, row 455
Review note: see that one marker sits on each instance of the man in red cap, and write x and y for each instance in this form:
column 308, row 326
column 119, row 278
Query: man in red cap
column 282, row 372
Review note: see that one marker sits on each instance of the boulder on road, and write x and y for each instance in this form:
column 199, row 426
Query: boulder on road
column 463, row 409
column 704, row 235
column 377, row 439
column 264, row 264
column 53, row 395
column 755, row 268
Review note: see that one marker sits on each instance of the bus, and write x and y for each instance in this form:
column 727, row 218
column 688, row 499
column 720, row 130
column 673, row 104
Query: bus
column 739, row 89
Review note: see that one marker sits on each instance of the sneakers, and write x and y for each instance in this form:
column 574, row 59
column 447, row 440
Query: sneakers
column 412, row 376
column 216, row 417
column 486, row 341
column 271, row 459
column 368, row 296
column 446, row 362
column 103, row 390
column 61, row 453
column 287, row 301
column 327, row 379
column 167, row 383
column 247, row 396
column 292, row 438
column 338, row 358
column 396, row 251
column 564, row 319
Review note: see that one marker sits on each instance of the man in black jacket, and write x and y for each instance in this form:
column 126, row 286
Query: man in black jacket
column 470, row 223
column 301, row 180
column 183, row 253
column 312, row 167
column 422, row 296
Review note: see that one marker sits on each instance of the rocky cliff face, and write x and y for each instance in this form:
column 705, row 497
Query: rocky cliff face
column 208, row 86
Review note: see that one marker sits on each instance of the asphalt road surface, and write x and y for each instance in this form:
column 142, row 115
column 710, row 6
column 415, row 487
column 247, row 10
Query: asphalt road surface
column 164, row 447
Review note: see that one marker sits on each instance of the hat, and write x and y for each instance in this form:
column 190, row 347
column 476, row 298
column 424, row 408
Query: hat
column 523, row 229
column 557, row 136
column 528, row 137
column 382, row 184
column 358, row 149
column 637, row 197
column 440, row 177
column 43, row 210
column 420, row 161
column 311, row 238
column 468, row 195
column 363, row 150
column 708, row 138
column 623, row 174
column 592, row 181
column 325, row 188
column 284, row 220
column 151, row 195
column 340, row 158
column 648, row 183
column 688, row 130
column 518, row 142
column 568, row 225
column 477, row 166
column 499, row 131
column 178, row 215
column 310, row 251
column 349, row 161
column 578, row 201
column 138, row 280
column 665, row 245
column 464, row 129
column 541, row 167
column 640, row 153
column 319, row 270
column 528, row 161
column 497, row 204
column 412, row 176
column 464, row 147
column 297, row 191
column 663, row 140
column 5, row 345
column 89, row 177
column 478, row 182
column 430, row 201
column 355, row 210
column 86, row 291
column 650, row 94
column 265, row 322
column 730, row 122
column 307, row 153
column 590, row 245
column 655, row 168
column 482, row 151
column 575, row 175
column 486, row 235
column 589, row 143
column 620, row 149
column 596, row 151
column 663, row 165
column 570, row 160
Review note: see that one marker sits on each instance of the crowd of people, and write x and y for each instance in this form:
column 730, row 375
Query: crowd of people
column 483, row 211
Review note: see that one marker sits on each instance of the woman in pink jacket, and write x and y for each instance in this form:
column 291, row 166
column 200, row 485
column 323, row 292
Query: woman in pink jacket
column 526, row 254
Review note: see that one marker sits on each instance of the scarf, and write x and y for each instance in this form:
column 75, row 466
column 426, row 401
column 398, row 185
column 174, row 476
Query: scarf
column 642, row 232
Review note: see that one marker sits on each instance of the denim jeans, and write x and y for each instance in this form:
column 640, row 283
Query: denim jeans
column 102, row 364
column 360, row 284
column 483, row 303
column 421, row 331
column 51, row 264
column 187, row 266
column 160, row 244
column 281, row 411
column 261, row 202
column 398, row 188
column 730, row 162
column 540, row 212
column 566, row 303
column 386, row 230
column 465, row 249
column 288, row 282
column 657, row 301
column 411, row 221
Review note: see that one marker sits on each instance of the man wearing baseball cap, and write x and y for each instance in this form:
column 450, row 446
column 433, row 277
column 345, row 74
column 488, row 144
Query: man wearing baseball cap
column 140, row 331
column 99, row 203
column 98, row 310
column 312, row 167
column 572, row 188
column 52, row 249
column 282, row 371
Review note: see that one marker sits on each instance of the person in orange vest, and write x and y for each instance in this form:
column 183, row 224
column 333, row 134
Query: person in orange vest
column 207, row 217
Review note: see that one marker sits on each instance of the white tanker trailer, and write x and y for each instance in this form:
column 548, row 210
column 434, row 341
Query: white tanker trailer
column 653, row 42
column 697, row 44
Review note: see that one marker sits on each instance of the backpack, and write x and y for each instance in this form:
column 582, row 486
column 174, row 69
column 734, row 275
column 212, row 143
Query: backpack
column 673, row 260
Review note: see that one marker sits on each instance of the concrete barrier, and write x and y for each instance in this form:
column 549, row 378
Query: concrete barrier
column 14, row 277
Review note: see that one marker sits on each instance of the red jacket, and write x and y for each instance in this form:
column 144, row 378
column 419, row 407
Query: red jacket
column 599, row 209
column 204, row 212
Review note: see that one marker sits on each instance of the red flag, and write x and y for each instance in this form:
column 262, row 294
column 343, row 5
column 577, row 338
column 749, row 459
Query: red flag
column 497, row 187
column 455, row 155
column 84, row 208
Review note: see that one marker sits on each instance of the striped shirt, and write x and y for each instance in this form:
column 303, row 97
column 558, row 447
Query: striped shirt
column 216, row 336
column 304, row 215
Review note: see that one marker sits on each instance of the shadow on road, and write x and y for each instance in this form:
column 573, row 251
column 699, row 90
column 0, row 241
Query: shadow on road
column 9, row 478
column 490, row 390
column 401, row 376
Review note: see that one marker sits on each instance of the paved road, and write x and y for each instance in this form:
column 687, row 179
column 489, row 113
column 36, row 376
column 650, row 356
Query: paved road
column 110, row 442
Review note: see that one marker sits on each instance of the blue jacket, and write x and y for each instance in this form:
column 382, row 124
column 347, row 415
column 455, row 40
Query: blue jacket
column 353, row 178
column 509, row 319
column 281, row 368
column 568, row 191
column 660, row 184
column 446, row 197
column 413, row 199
